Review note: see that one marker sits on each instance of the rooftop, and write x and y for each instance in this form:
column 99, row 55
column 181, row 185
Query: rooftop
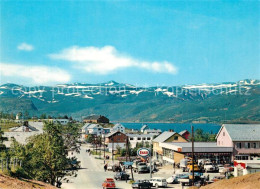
column 164, row 136
column 243, row 132
column 198, row 147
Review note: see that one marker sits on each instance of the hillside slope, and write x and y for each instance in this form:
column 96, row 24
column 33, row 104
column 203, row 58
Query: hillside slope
column 251, row 181
column 7, row 182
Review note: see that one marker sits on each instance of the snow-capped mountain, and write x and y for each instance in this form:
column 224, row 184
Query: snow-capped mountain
column 82, row 98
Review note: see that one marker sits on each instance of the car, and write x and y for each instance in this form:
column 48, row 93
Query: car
column 221, row 168
column 121, row 176
column 110, row 167
column 209, row 167
column 229, row 167
column 109, row 183
column 174, row 179
column 140, row 184
column 158, row 182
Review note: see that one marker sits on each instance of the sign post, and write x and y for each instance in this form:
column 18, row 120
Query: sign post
column 145, row 153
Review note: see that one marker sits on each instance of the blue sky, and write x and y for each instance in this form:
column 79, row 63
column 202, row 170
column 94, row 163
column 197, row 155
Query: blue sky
column 144, row 43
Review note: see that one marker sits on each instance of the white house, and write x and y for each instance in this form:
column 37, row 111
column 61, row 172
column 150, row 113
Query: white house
column 139, row 138
column 95, row 129
column 153, row 131
column 61, row 121
column 118, row 127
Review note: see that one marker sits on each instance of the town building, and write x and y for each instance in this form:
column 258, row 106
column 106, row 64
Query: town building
column 95, row 129
column 185, row 134
column 243, row 138
column 166, row 136
column 61, row 121
column 173, row 152
column 152, row 131
column 96, row 119
column 140, row 138
column 115, row 140
column 118, row 127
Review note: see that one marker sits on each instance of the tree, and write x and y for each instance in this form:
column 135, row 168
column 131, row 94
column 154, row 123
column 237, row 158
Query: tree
column 2, row 139
column 46, row 155
column 43, row 116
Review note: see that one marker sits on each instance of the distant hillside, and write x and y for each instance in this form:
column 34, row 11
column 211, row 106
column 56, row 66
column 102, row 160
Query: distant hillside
column 229, row 101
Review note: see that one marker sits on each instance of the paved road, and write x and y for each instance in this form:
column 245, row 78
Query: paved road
column 92, row 174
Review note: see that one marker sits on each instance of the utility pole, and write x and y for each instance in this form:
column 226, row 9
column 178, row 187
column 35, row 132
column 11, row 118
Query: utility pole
column 192, row 141
column 104, row 148
column 132, row 174
column 112, row 150
column 150, row 160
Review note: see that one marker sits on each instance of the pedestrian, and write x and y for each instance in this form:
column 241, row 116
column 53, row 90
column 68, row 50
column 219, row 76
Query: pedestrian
column 105, row 167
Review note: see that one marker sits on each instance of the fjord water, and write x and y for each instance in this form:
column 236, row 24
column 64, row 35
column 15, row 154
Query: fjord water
column 177, row 127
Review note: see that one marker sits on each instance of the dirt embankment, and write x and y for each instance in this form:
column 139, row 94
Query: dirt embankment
column 251, row 181
column 7, row 182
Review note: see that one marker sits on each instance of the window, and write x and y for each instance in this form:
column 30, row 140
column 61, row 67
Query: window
column 223, row 133
column 148, row 138
column 254, row 145
column 139, row 138
column 175, row 137
column 247, row 145
column 238, row 144
column 131, row 138
column 144, row 138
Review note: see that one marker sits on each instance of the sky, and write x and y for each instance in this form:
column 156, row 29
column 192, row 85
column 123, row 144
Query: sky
column 137, row 42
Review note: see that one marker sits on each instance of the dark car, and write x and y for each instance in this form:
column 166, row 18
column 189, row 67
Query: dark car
column 122, row 176
column 139, row 184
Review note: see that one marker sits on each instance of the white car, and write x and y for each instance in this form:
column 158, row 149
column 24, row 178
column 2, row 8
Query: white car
column 209, row 167
column 158, row 182
column 175, row 178
column 110, row 167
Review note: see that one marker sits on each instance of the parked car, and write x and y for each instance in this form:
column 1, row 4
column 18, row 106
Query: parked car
column 121, row 176
column 140, row 184
column 209, row 167
column 141, row 167
column 174, row 179
column 229, row 167
column 110, row 167
column 158, row 182
column 221, row 168
column 109, row 183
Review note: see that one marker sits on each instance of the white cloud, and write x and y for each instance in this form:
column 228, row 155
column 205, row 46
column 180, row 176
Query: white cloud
column 25, row 47
column 107, row 59
column 34, row 74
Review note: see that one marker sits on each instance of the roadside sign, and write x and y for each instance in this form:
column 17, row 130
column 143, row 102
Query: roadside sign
column 143, row 152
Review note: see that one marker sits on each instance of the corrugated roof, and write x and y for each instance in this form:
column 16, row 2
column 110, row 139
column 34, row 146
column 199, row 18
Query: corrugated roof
column 243, row 132
column 198, row 147
column 164, row 136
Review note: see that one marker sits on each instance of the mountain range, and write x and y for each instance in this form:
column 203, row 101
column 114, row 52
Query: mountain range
column 202, row 103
